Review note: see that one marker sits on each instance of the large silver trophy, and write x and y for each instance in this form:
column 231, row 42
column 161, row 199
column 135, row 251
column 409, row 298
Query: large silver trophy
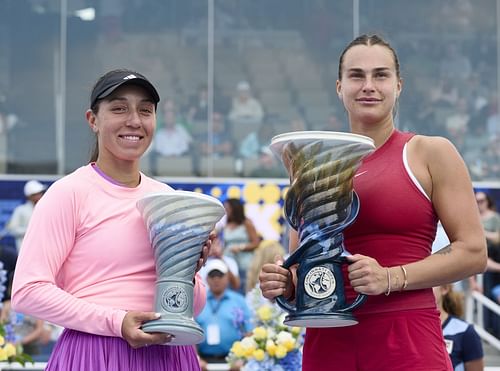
column 179, row 223
column 320, row 204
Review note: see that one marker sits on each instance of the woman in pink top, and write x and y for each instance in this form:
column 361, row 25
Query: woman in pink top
column 86, row 262
column 405, row 187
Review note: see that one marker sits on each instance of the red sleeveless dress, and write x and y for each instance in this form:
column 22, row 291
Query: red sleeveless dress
column 396, row 225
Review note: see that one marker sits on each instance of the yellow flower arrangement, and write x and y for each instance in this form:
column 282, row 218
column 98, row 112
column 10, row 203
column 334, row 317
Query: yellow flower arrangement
column 272, row 345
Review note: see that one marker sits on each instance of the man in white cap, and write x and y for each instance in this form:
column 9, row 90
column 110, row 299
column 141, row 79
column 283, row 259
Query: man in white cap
column 246, row 110
column 18, row 223
column 225, row 318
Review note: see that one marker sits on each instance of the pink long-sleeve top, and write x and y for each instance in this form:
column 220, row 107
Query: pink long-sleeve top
column 86, row 258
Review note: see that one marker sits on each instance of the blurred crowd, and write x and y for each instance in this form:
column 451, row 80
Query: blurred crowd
column 273, row 73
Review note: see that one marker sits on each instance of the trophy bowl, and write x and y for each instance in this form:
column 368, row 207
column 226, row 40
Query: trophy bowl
column 179, row 223
column 319, row 205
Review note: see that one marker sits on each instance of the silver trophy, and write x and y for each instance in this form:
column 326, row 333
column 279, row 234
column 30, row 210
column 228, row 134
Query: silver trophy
column 179, row 223
column 320, row 204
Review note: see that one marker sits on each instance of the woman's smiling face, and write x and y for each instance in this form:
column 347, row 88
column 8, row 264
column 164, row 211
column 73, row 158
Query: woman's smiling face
column 124, row 124
column 369, row 85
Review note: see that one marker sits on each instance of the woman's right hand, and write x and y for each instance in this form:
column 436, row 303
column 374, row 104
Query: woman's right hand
column 276, row 280
column 135, row 337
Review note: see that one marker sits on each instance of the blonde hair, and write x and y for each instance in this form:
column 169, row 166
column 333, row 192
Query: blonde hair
column 263, row 254
column 452, row 301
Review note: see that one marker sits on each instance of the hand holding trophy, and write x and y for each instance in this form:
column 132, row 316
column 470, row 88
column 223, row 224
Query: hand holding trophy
column 178, row 223
column 320, row 204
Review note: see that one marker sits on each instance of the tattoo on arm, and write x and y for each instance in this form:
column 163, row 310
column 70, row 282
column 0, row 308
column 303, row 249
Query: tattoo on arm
column 445, row 250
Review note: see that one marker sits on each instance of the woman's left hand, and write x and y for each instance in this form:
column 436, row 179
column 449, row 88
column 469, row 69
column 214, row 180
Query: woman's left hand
column 206, row 250
column 366, row 275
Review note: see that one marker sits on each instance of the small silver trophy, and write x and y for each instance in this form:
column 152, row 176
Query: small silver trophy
column 320, row 204
column 179, row 223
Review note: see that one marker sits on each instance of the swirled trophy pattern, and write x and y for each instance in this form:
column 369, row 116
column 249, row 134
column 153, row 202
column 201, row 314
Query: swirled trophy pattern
column 320, row 196
column 178, row 224
column 320, row 204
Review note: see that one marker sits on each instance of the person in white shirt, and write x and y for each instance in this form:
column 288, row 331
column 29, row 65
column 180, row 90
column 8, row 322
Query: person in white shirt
column 245, row 108
column 172, row 139
column 18, row 223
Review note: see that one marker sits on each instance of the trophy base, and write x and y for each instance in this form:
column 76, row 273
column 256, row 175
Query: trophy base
column 186, row 332
column 320, row 320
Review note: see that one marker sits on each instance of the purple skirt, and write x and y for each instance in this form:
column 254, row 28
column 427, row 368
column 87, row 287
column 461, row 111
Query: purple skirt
column 79, row 351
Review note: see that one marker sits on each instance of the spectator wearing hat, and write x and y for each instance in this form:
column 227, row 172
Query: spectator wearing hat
column 225, row 318
column 216, row 252
column 18, row 223
column 245, row 108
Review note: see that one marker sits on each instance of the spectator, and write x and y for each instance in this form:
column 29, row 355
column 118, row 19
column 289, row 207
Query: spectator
column 491, row 159
column 265, row 253
column 245, row 110
column 454, row 64
column 173, row 139
column 457, row 124
column 240, row 237
column 462, row 342
column 222, row 143
column 253, row 143
column 197, row 109
column 268, row 166
column 233, row 273
column 18, row 223
column 225, row 318
column 30, row 332
column 491, row 278
column 333, row 123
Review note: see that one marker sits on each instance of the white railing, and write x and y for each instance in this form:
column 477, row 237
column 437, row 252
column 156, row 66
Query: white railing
column 475, row 303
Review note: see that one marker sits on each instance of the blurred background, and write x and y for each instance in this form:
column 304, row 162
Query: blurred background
column 208, row 58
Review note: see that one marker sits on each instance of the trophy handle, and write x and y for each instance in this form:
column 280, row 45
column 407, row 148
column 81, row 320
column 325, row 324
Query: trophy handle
column 292, row 259
column 360, row 299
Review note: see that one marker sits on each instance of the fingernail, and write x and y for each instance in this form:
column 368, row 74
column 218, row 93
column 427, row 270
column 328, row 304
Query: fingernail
column 157, row 315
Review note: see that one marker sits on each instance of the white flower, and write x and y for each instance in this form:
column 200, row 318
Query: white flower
column 249, row 343
column 284, row 337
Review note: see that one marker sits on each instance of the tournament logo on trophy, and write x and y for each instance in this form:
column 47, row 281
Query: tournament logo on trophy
column 319, row 205
column 179, row 223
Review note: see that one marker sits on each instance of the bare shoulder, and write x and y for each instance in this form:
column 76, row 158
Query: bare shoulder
column 433, row 145
column 435, row 151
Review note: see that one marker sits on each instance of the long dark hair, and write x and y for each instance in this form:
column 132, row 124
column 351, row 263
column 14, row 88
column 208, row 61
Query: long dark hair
column 237, row 214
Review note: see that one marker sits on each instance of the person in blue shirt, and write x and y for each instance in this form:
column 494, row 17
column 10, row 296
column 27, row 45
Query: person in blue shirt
column 462, row 341
column 225, row 318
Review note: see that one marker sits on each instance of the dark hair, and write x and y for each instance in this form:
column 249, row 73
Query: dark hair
column 237, row 214
column 490, row 202
column 452, row 302
column 369, row 40
column 95, row 109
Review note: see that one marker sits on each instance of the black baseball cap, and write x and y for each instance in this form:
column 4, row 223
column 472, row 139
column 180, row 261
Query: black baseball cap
column 108, row 83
